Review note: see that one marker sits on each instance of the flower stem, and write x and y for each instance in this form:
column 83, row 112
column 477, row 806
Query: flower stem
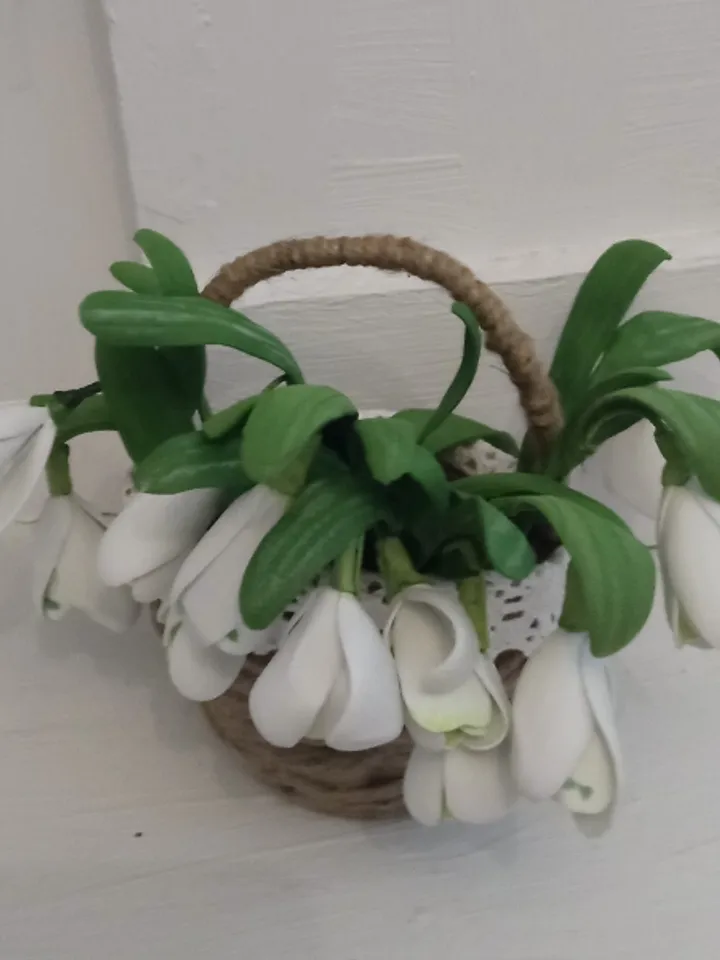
column 396, row 567
column 57, row 470
column 473, row 596
column 347, row 568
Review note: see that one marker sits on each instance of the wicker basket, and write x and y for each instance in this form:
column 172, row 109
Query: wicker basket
column 368, row 784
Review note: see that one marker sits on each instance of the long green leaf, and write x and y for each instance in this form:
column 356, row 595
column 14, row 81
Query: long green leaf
column 463, row 379
column 655, row 338
column 455, row 431
column 390, row 445
column 143, row 396
column 173, row 271
column 231, row 418
column 492, row 486
column 600, row 305
column 507, row 547
column 189, row 366
column 614, row 571
column 691, row 420
column 327, row 516
column 135, row 320
column 190, row 462
column 428, row 473
column 135, row 276
column 282, row 424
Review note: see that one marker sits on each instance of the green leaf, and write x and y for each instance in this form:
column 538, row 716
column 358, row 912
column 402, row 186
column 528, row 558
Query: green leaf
column 135, row 276
column 692, row 421
column 574, row 616
column 613, row 570
column 143, row 396
column 390, row 446
column 492, row 486
column 455, row 431
column 90, row 416
column 507, row 547
column 655, row 338
column 190, row 462
column 462, row 381
column 282, row 424
column 189, row 367
column 174, row 274
column 137, row 320
column 600, row 305
column 231, row 418
column 578, row 441
column 328, row 515
column 429, row 474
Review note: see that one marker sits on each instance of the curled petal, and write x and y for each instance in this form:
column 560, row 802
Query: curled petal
column 423, row 642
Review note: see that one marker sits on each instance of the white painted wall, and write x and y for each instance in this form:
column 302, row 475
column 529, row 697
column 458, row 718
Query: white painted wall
column 522, row 136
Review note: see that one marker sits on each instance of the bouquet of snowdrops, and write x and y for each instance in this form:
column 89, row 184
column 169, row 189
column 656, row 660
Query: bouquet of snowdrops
column 236, row 513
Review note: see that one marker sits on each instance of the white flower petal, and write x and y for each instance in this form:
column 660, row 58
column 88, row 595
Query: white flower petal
column 259, row 507
column 292, row 689
column 208, row 583
column 23, row 473
column 371, row 715
column 461, row 655
column 689, row 542
column 200, row 673
column 478, row 786
column 19, row 419
column 552, row 721
column 152, row 530
column 590, row 790
column 75, row 582
column 632, row 467
column 422, row 642
column 156, row 585
column 423, row 786
column 499, row 726
column 422, row 737
column 51, row 533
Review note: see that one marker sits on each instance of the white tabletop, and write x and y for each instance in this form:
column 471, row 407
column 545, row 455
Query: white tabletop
column 129, row 832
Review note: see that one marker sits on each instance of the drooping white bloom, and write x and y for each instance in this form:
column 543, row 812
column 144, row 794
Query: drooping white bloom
column 452, row 692
column 564, row 741
column 66, row 575
column 631, row 466
column 689, row 554
column 147, row 543
column 467, row 785
column 206, row 635
column 332, row 679
column 26, row 438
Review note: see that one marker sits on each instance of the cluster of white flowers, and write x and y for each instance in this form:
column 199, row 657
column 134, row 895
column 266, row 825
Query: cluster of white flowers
column 338, row 676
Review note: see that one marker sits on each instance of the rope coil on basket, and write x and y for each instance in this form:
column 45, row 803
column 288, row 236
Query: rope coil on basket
column 368, row 784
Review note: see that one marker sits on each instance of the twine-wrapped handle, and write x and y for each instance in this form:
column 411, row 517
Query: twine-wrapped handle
column 538, row 396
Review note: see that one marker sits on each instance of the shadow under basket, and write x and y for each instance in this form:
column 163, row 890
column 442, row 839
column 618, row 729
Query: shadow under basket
column 368, row 785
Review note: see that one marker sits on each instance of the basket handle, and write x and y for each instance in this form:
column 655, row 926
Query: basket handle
column 538, row 396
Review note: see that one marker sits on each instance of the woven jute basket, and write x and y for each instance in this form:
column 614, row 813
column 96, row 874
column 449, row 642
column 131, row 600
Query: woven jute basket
column 368, row 784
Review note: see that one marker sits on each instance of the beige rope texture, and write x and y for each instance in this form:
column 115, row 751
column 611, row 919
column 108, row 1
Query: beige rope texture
column 503, row 336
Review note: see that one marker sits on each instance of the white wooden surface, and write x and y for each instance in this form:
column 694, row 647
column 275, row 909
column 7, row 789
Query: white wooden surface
column 500, row 129
column 97, row 748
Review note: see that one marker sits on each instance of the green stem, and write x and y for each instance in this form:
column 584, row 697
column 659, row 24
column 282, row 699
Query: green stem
column 347, row 568
column 473, row 596
column 396, row 567
column 57, row 470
